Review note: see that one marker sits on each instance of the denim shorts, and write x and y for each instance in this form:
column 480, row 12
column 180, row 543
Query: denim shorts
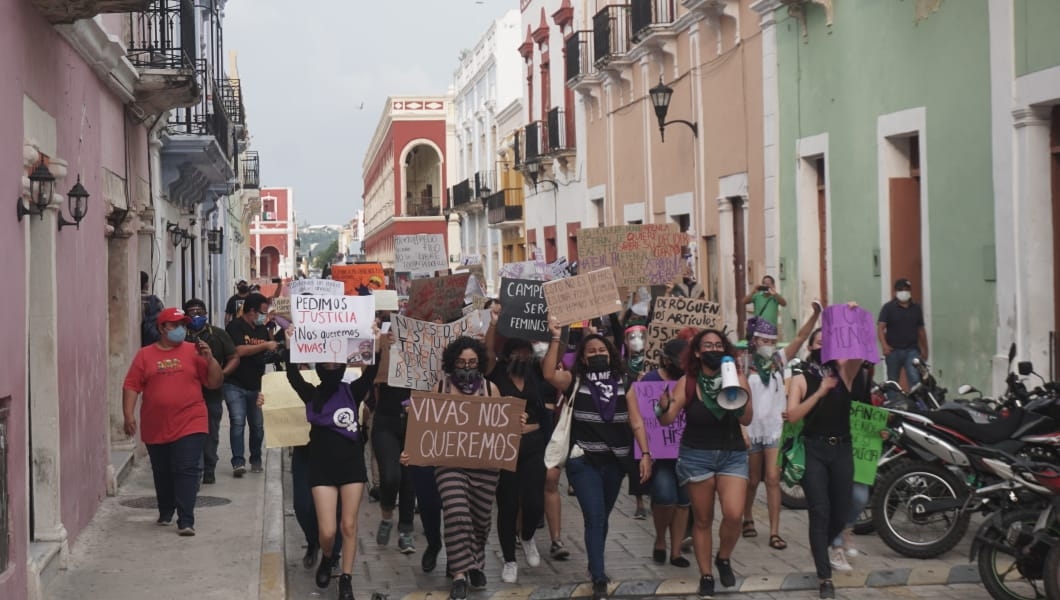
column 756, row 447
column 664, row 488
column 694, row 465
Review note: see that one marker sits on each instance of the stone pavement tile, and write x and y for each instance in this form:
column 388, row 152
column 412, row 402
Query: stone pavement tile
column 888, row 577
column 933, row 575
column 762, row 583
column 516, row 593
column 850, row 579
column 799, row 581
column 554, row 592
column 964, row 574
column 637, row 588
column 687, row 585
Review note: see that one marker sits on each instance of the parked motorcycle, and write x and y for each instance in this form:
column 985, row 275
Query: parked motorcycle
column 1011, row 548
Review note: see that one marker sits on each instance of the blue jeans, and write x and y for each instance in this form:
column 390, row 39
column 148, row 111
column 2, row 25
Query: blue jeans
column 859, row 498
column 597, row 488
column 665, row 490
column 243, row 410
column 214, row 411
column 175, row 467
column 900, row 359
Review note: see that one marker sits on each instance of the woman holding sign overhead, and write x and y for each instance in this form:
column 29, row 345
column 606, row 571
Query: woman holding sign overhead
column 603, row 426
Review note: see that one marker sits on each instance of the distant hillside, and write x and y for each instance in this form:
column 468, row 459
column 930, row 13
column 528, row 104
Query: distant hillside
column 317, row 236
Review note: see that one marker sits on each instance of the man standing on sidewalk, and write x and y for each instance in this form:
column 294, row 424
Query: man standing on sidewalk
column 224, row 352
column 170, row 375
column 900, row 328
column 243, row 385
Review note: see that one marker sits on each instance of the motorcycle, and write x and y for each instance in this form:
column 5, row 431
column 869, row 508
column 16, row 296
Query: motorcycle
column 1011, row 548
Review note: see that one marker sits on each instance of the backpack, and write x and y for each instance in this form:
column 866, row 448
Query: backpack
column 150, row 307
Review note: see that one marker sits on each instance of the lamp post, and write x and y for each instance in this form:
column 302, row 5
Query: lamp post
column 77, row 204
column 41, row 184
column 533, row 170
column 660, row 99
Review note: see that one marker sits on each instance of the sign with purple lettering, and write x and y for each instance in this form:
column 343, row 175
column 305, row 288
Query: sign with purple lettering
column 848, row 332
column 662, row 441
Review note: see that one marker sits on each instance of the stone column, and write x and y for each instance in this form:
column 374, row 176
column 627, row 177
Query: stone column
column 766, row 10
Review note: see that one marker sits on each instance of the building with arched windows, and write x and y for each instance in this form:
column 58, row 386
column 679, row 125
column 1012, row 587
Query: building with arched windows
column 272, row 235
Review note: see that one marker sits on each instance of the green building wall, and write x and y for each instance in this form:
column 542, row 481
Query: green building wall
column 1037, row 35
column 876, row 60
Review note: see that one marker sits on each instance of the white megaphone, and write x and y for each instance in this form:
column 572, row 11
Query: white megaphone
column 732, row 395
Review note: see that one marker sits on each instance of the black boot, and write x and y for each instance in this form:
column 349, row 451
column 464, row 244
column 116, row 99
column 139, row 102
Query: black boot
column 345, row 587
column 323, row 578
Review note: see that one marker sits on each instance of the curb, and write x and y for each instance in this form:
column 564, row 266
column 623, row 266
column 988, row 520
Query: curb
column 920, row 576
column 272, row 583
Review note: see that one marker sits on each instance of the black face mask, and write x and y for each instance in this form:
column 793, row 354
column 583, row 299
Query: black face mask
column 329, row 377
column 672, row 370
column 598, row 363
column 711, row 360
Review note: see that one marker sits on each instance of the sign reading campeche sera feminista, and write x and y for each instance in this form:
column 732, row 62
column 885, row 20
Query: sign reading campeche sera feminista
column 470, row 432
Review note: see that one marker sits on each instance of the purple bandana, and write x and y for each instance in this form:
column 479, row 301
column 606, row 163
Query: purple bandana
column 602, row 387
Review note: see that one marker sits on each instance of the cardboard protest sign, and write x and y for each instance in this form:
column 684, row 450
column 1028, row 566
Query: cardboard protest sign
column 524, row 313
column 327, row 327
column 640, row 254
column 471, row 432
column 522, row 270
column 672, row 314
column 284, row 411
column 663, row 442
column 421, row 253
column 385, row 299
column 866, row 423
column 281, row 305
column 416, row 355
column 353, row 277
column 316, row 287
column 848, row 332
column 437, row 298
column 584, row 297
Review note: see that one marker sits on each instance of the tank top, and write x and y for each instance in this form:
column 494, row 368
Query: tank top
column 704, row 431
column 601, row 441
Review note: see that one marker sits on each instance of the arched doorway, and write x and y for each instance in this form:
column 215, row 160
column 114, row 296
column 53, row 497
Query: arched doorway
column 270, row 262
column 423, row 182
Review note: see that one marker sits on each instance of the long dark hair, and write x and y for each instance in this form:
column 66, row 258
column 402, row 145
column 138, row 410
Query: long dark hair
column 578, row 370
column 457, row 347
column 693, row 366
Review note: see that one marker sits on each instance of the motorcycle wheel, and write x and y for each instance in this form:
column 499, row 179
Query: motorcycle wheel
column 1002, row 572
column 897, row 520
column 792, row 496
column 864, row 524
column 1051, row 573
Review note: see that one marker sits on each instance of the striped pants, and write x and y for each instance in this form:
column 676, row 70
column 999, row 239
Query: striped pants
column 467, row 504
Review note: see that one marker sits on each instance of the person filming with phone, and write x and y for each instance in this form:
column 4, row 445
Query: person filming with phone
column 766, row 301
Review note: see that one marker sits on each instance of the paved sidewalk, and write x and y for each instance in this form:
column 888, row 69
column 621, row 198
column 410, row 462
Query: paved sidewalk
column 124, row 555
column 763, row 573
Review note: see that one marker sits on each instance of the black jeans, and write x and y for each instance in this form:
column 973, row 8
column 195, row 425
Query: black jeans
column 828, row 484
column 526, row 486
column 430, row 503
column 214, row 411
column 395, row 482
column 175, row 467
column 305, row 511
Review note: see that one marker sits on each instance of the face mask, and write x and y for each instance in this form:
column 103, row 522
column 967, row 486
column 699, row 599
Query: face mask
column 540, row 348
column 672, row 370
column 598, row 363
column 468, row 380
column 261, row 319
column 329, row 377
column 711, row 360
column 766, row 350
column 177, row 334
column 636, row 345
column 904, row 296
column 198, row 322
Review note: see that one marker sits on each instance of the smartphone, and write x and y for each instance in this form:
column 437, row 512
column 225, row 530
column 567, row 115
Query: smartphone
column 276, row 280
column 763, row 288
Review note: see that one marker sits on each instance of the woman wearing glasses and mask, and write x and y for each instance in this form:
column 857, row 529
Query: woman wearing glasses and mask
column 712, row 459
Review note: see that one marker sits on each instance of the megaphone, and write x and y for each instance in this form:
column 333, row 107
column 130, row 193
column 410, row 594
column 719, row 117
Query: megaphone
column 732, row 395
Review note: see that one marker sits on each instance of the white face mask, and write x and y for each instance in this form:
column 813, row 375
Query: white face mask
column 540, row 348
column 766, row 350
column 904, row 296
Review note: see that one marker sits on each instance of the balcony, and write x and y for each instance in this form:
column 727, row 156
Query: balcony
column 611, row 33
column 424, row 206
column 579, row 56
column 462, row 198
column 232, row 100
column 505, row 209
column 485, row 183
column 206, row 118
column 250, row 169
column 560, row 133
column 532, row 141
column 650, row 16
column 162, row 46
column 64, row 11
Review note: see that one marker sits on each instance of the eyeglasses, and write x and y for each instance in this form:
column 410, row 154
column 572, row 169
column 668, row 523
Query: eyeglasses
column 466, row 364
column 195, row 312
column 707, row 346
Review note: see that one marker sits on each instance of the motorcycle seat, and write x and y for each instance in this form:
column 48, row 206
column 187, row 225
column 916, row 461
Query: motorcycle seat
column 984, row 433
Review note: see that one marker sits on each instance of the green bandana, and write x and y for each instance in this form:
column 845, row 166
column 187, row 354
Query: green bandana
column 708, row 390
column 764, row 367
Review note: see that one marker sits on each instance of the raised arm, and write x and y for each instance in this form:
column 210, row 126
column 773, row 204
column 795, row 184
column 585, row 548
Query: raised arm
column 671, row 404
column 491, row 338
column 792, row 349
column 559, row 379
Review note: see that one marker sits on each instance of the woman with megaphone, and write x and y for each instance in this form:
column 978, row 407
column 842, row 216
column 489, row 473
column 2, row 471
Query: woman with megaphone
column 712, row 459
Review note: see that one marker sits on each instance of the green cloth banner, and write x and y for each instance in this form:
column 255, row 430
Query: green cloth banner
column 866, row 423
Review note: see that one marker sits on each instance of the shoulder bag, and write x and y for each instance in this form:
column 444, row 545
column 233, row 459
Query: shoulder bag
column 558, row 447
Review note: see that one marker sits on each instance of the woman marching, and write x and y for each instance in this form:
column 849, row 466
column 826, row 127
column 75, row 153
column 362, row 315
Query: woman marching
column 336, row 459
column 712, row 459
column 603, row 427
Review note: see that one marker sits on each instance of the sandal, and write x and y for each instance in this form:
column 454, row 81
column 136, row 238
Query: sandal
column 777, row 543
column 749, row 529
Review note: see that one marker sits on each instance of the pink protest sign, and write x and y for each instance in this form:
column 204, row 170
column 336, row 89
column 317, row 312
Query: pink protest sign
column 662, row 441
column 848, row 332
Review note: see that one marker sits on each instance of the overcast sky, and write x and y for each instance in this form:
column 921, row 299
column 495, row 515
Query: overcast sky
column 306, row 67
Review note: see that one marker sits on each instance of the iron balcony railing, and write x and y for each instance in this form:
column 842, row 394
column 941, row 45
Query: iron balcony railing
column 163, row 36
column 610, row 33
column 645, row 14
column 501, row 207
column 485, row 183
column 424, row 206
column 251, row 170
column 532, row 145
column 232, row 100
column 462, row 194
column 579, row 54
column 559, row 131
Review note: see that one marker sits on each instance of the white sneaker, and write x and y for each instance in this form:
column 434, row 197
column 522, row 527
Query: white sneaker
column 510, row 572
column 838, row 559
column 533, row 557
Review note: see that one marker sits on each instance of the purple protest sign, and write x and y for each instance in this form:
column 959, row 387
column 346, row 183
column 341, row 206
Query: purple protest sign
column 848, row 332
column 662, row 441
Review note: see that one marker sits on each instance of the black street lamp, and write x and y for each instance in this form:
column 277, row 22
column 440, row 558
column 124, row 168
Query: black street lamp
column 41, row 185
column 660, row 99
column 77, row 204
column 533, row 169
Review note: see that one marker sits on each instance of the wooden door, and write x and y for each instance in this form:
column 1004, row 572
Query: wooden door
column 906, row 252
column 1054, row 167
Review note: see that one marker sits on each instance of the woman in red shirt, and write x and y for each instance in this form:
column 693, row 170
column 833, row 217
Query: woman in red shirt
column 169, row 376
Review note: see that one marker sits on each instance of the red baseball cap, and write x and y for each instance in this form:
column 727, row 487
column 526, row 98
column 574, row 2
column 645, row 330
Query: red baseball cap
column 173, row 315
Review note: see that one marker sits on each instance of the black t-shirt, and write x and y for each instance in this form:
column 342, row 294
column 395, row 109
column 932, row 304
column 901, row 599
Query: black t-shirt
column 222, row 348
column 535, row 391
column 902, row 324
column 388, row 401
column 831, row 416
column 248, row 374
column 235, row 303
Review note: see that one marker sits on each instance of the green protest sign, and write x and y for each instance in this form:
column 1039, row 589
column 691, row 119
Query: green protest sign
column 866, row 423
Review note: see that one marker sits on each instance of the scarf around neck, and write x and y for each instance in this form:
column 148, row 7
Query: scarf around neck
column 764, row 367
column 602, row 387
